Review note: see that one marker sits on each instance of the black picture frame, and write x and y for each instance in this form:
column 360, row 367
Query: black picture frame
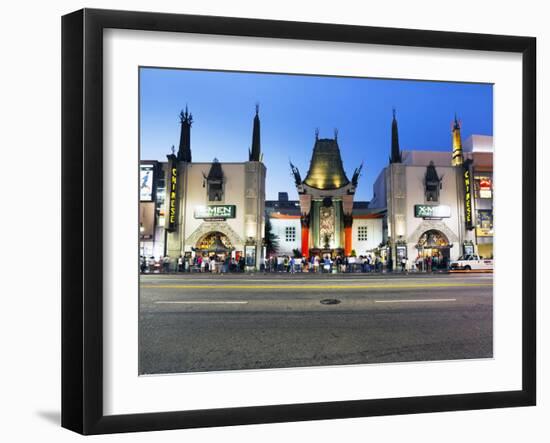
column 82, row 154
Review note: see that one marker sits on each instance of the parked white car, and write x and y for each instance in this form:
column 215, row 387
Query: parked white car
column 472, row 262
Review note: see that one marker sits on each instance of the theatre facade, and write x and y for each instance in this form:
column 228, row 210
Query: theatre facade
column 212, row 208
column 325, row 220
column 438, row 204
column 435, row 204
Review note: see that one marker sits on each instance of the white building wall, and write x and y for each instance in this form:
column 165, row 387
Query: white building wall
column 374, row 235
column 423, row 158
column 478, row 143
column 278, row 228
column 379, row 191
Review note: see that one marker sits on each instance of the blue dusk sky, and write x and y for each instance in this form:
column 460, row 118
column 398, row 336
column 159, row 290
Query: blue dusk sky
column 293, row 106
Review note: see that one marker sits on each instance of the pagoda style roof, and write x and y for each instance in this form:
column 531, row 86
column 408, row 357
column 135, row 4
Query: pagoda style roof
column 326, row 170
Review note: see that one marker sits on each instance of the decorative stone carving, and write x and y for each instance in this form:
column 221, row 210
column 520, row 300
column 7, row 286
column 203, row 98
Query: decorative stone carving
column 220, row 226
column 428, row 225
column 326, row 224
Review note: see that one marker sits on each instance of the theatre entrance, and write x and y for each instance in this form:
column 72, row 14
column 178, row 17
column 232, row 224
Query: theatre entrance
column 434, row 246
column 214, row 243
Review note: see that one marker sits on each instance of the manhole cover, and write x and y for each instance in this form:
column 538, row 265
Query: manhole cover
column 330, row 301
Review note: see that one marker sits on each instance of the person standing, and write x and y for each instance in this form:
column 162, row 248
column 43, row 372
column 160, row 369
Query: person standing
column 143, row 265
column 166, row 264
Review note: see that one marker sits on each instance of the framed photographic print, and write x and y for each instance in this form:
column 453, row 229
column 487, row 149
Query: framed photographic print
column 269, row 221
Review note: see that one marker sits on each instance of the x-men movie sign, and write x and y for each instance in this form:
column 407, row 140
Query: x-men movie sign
column 215, row 211
column 432, row 211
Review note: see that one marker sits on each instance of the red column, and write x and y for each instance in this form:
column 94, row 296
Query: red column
column 347, row 241
column 305, row 241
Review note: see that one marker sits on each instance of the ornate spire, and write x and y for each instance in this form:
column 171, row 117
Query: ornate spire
column 357, row 174
column 296, row 174
column 184, row 151
column 458, row 157
column 255, row 152
column 395, row 152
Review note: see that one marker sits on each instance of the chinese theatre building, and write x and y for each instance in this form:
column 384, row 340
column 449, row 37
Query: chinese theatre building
column 326, row 206
column 438, row 204
column 215, row 208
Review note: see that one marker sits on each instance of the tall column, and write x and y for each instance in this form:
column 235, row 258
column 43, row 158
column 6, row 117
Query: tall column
column 347, row 207
column 348, row 223
column 305, row 235
column 305, row 220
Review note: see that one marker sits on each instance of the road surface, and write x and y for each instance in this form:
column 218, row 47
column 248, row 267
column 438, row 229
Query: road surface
column 197, row 323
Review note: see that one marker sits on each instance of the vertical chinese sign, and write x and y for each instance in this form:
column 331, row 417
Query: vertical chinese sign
column 468, row 213
column 173, row 197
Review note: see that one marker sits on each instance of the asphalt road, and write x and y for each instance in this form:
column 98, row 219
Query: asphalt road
column 225, row 322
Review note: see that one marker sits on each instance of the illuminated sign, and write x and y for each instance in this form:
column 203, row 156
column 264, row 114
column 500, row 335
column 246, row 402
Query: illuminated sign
column 173, row 199
column 484, row 225
column 468, row 214
column 215, row 211
column 432, row 211
column 146, row 183
column 484, row 232
column 485, row 188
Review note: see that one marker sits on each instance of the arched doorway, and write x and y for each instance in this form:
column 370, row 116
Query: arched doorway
column 435, row 246
column 214, row 242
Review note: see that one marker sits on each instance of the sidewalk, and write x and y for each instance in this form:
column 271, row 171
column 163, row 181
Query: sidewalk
column 298, row 275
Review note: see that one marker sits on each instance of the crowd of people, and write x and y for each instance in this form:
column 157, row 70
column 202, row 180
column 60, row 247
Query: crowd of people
column 283, row 263
column 198, row 263
column 328, row 264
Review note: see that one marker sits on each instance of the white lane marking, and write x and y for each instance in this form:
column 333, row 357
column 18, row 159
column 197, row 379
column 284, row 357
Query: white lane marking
column 203, row 302
column 415, row 301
